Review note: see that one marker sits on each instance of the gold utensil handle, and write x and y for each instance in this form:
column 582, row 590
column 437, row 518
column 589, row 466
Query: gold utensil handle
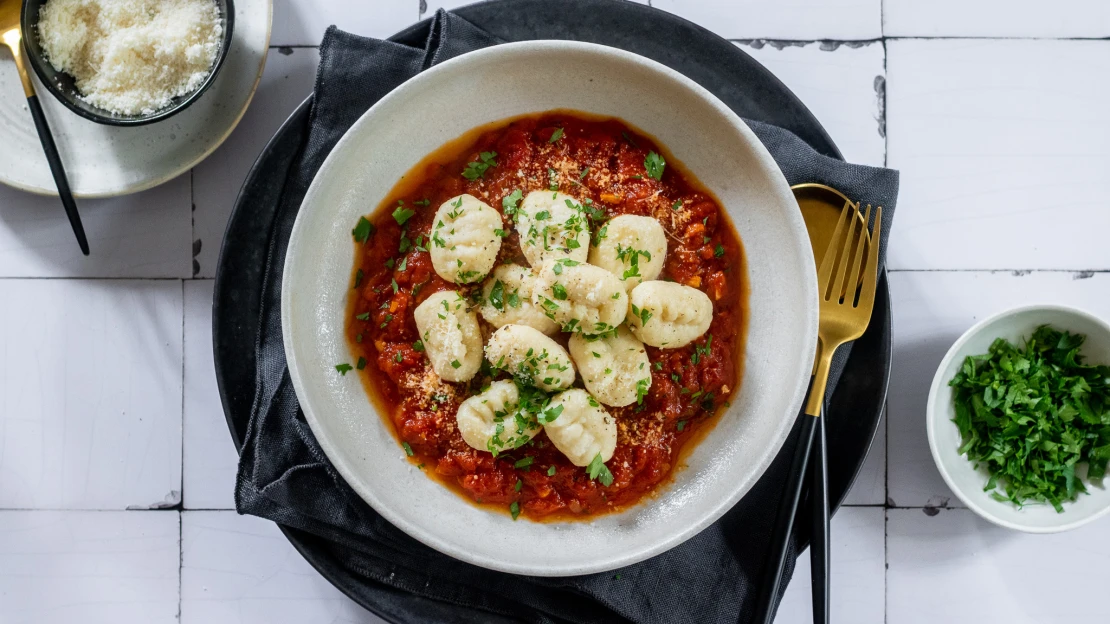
column 820, row 379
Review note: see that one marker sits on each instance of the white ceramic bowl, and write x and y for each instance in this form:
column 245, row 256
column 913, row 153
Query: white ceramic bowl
column 497, row 83
column 944, row 437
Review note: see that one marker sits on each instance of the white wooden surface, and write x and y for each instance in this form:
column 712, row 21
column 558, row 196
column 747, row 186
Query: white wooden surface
column 116, row 470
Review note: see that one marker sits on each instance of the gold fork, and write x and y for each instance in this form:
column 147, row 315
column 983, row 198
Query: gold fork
column 846, row 284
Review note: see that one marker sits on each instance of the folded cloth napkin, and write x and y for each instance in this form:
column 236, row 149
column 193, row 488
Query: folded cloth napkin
column 285, row 476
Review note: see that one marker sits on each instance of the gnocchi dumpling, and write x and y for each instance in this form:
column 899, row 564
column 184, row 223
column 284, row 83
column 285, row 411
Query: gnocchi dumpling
column 583, row 429
column 492, row 421
column 615, row 367
column 451, row 336
column 551, row 226
column 668, row 315
column 581, row 298
column 465, row 239
column 631, row 247
column 507, row 300
column 526, row 352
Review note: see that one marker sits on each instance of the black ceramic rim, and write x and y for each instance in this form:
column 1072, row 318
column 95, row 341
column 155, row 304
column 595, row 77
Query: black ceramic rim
column 855, row 408
column 60, row 84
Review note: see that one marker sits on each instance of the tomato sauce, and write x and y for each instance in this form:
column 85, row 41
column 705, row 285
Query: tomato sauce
column 600, row 162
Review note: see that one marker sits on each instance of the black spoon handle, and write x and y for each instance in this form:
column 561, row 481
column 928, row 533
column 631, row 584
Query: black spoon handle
column 784, row 521
column 819, row 546
column 58, row 171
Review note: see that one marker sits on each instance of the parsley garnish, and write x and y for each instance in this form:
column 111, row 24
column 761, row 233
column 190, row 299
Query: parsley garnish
column 497, row 295
column 509, row 202
column 343, row 369
column 677, row 205
column 358, row 278
column 1031, row 415
column 363, row 230
column 559, row 291
column 418, row 345
column 555, row 136
column 654, row 164
column 455, row 364
column 361, row 363
column 524, row 463
column 365, row 316
column 514, row 509
column 477, row 168
column 408, row 449
column 719, row 251
column 681, row 425
column 642, row 387
column 598, row 470
column 551, row 471
column 402, row 214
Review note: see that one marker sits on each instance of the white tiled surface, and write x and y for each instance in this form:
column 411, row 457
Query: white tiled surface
column 996, row 18
column 107, row 392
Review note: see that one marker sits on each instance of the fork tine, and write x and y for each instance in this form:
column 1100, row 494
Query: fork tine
column 845, row 258
column 870, row 274
column 832, row 252
column 861, row 243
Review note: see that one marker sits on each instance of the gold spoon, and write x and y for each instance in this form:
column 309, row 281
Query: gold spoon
column 10, row 34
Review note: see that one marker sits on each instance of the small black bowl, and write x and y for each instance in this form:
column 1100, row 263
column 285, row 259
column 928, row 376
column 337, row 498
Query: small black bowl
column 61, row 84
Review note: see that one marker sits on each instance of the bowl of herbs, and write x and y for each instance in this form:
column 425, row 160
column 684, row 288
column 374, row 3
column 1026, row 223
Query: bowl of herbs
column 1018, row 418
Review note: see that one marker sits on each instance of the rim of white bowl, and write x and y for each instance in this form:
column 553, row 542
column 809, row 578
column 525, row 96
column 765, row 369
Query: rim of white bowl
column 932, row 417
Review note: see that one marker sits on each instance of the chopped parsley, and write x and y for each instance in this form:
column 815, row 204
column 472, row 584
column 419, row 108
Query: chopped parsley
column 361, row 363
column 654, row 164
column 343, row 369
column 597, row 470
column 559, row 291
column 582, row 175
column 358, row 278
column 514, row 509
column 497, row 295
column 455, row 364
column 510, row 202
column 418, row 345
column 681, row 425
column 478, row 168
column 1031, row 414
column 402, row 214
column 363, row 230
column 719, row 251
column 524, row 462
column 393, row 283
column 677, row 205
column 642, row 387
column 555, row 136
column 408, row 449
column 551, row 471
column 519, row 484
column 365, row 316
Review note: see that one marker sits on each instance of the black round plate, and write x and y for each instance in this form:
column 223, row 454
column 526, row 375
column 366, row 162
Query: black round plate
column 855, row 408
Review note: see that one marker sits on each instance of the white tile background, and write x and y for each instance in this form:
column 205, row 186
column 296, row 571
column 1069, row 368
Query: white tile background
column 116, row 469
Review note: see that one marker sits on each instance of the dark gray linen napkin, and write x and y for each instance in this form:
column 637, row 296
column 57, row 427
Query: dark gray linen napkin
column 284, row 475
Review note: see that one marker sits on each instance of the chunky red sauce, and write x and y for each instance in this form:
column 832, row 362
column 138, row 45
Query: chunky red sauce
column 598, row 161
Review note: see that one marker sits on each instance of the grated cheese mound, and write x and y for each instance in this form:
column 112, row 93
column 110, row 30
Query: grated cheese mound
column 132, row 57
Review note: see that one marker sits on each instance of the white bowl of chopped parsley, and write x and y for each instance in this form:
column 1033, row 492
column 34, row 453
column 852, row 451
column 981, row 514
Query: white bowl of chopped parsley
column 1018, row 418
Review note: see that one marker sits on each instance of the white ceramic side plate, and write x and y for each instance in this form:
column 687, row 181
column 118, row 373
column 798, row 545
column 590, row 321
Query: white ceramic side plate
column 944, row 437
column 105, row 161
column 498, row 83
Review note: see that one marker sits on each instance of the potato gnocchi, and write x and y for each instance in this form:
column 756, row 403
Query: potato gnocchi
column 507, row 300
column 552, row 226
column 583, row 429
column 465, row 239
column 631, row 247
column 451, row 336
column 526, row 352
column 492, row 421
column 614, row 368
column 668, row 315
column 581, row 298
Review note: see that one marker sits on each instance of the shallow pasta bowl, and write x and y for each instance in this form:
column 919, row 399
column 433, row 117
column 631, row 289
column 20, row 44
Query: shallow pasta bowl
column 507, row 81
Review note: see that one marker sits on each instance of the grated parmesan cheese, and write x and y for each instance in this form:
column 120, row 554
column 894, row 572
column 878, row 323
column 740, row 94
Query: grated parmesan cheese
column 132, row 57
